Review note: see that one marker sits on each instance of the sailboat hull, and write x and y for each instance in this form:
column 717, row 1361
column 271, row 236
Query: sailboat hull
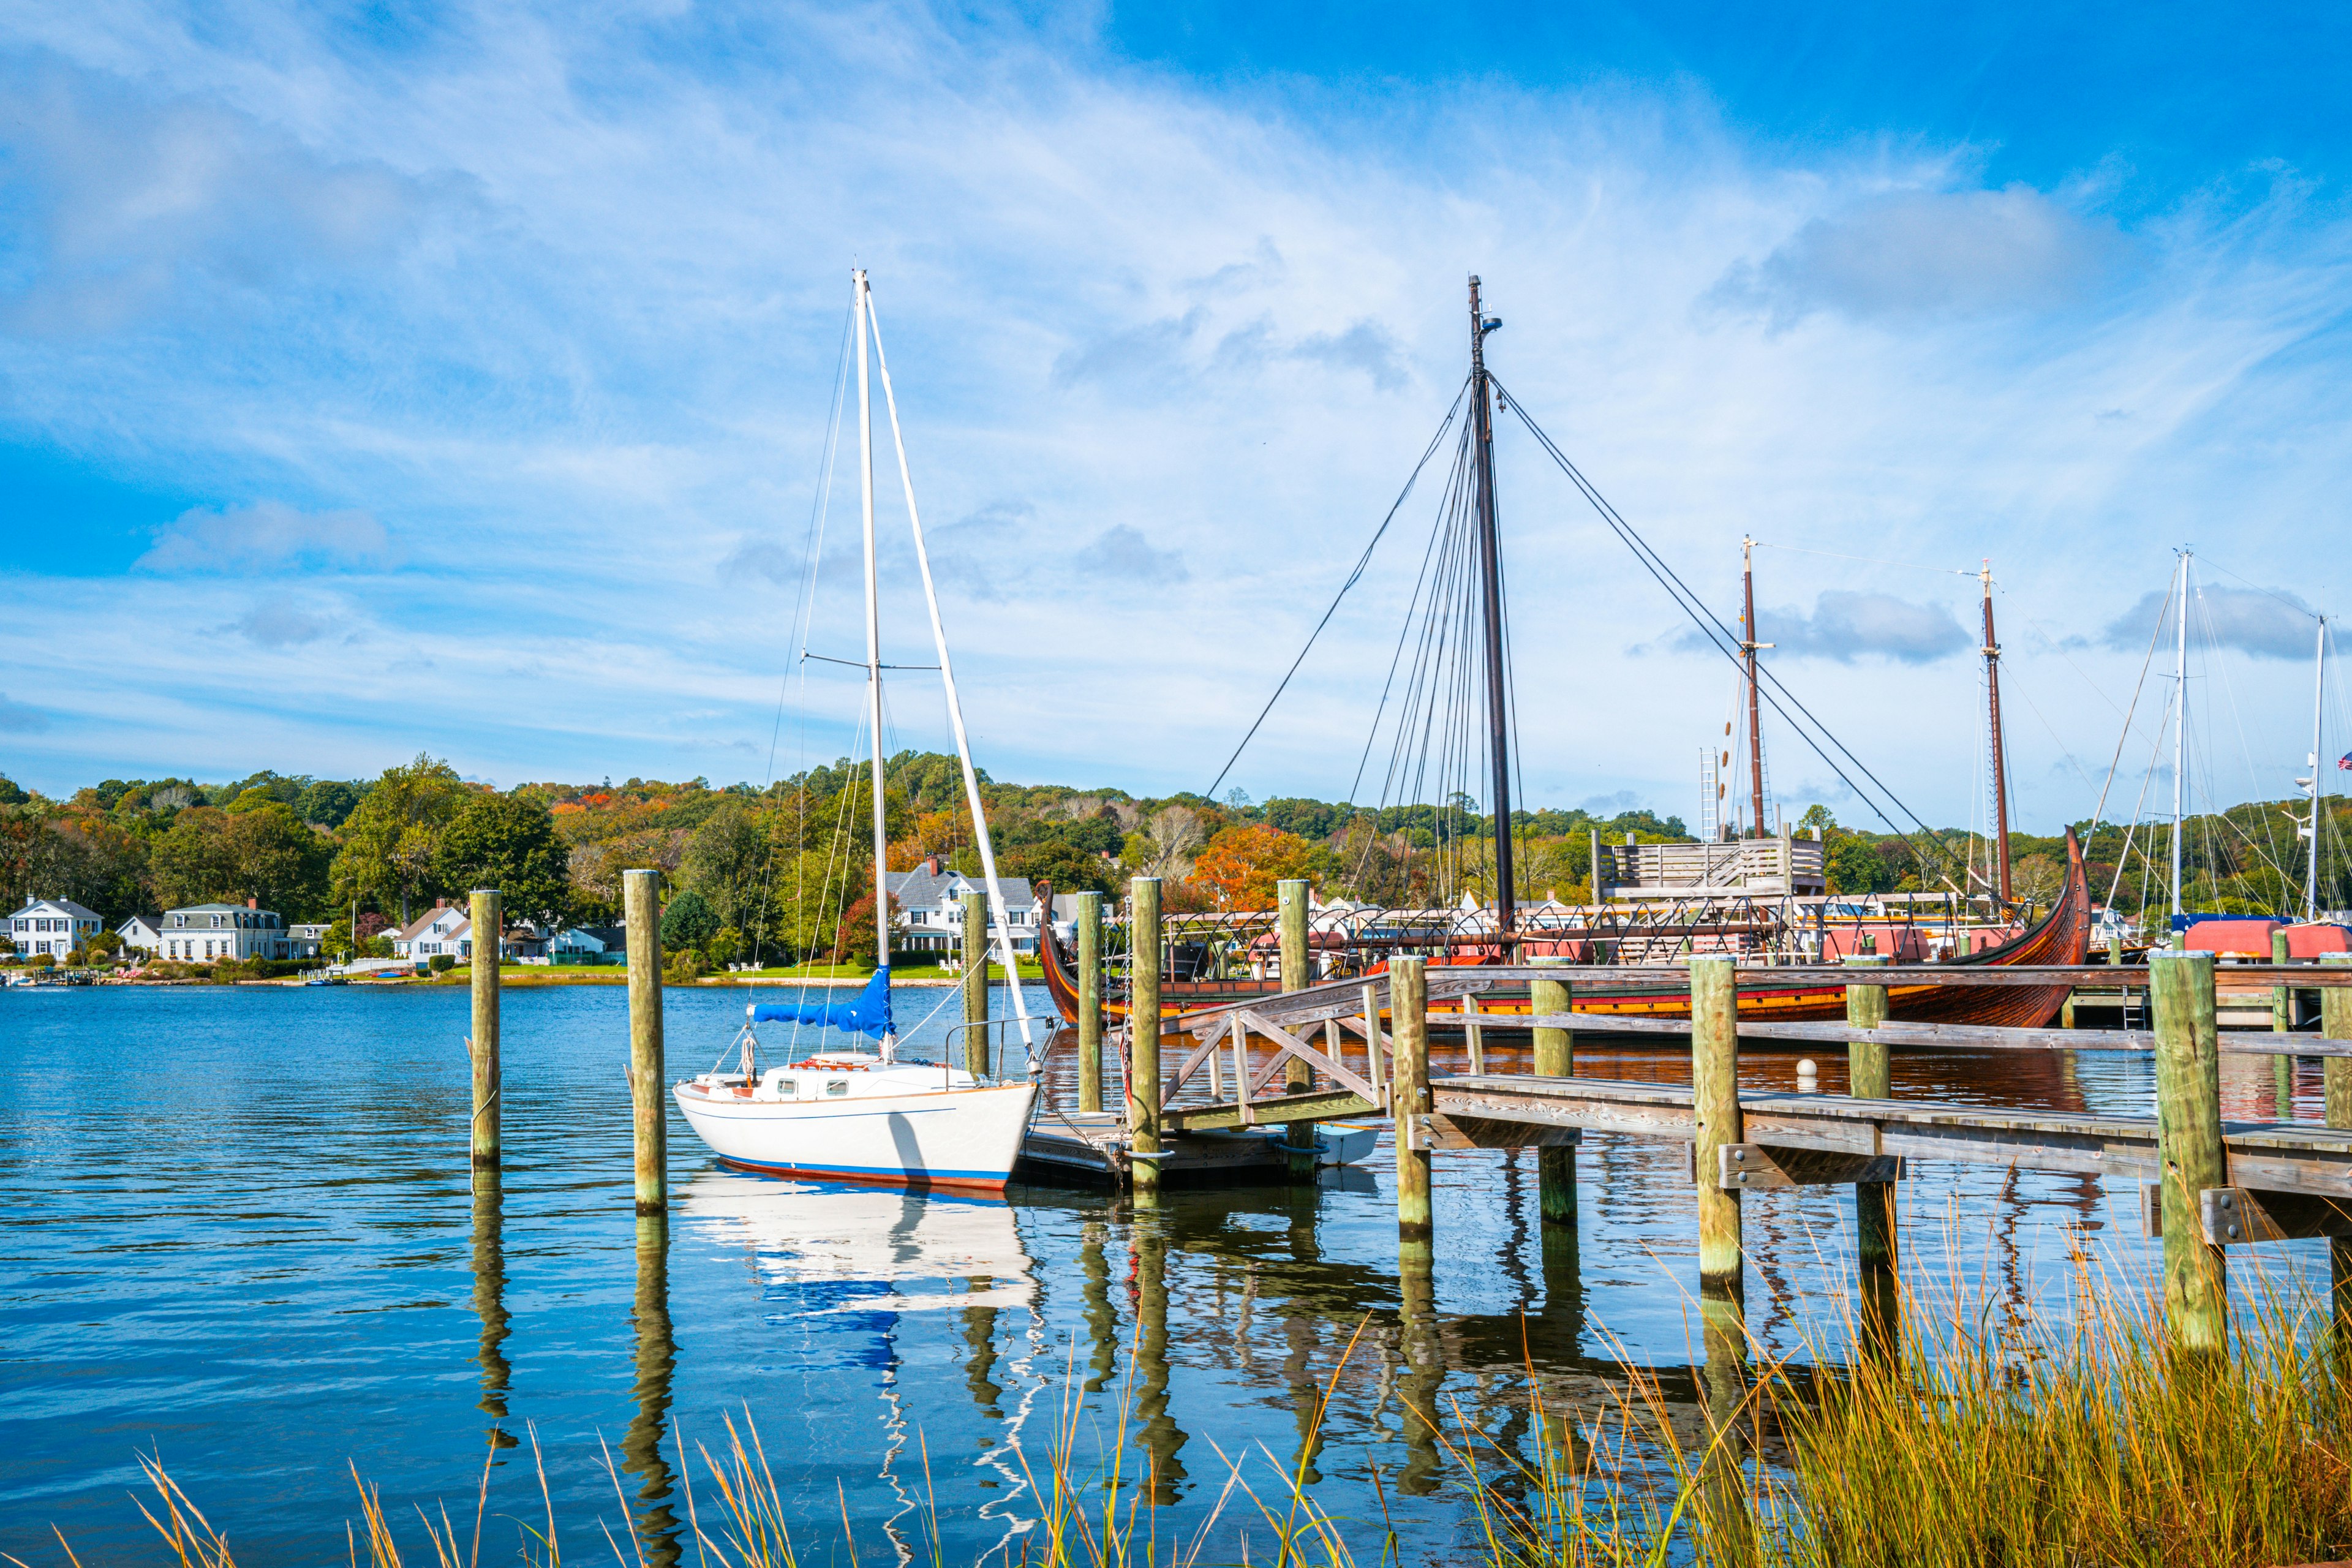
column 967, row 1139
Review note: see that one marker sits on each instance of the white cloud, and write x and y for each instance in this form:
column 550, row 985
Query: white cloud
column 1909, row 255
column 266, row 535
column 279, row 622
column 1847, row 626
column 125, row 207
column 2269, row 623
column 1221, row 324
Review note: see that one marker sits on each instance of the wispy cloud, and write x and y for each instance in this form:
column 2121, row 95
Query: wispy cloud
column 2269, row 623
column 1912, row 255
column 17, row 719
column 573, row 297
column 266, row 535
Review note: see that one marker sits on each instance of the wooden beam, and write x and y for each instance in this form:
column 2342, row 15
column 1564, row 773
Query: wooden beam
column 1322, row 1106
column 1754, row 1167
column 2236, row 1216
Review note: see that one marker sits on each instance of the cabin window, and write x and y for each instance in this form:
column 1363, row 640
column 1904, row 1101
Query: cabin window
column 836, row 1088
column 787, row 1088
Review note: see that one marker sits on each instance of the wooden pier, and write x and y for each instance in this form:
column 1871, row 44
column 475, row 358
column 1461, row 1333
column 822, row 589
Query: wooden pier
column 1359, row 1048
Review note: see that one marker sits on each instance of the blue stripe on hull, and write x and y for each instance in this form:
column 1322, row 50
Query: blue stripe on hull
column 884, row 1172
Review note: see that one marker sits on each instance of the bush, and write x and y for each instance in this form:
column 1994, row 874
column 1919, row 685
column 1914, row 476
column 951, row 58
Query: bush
column 683, row 969
column 442, row 963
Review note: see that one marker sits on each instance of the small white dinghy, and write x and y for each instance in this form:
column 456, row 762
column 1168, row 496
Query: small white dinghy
column 866, row 1115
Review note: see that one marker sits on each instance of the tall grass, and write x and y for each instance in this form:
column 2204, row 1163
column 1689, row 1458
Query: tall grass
column 2079, row 1445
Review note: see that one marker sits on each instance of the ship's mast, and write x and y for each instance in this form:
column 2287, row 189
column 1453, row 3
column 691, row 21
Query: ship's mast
column 2180, row 730
column 1747, row 646
column 1490, row 563
column 873, row 649
column 2000, row 749
column 2318, row 778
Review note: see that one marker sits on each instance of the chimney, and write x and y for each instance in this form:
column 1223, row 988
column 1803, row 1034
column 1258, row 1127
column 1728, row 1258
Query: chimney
column 253, row 903
column 440, row 903
column 931, row 864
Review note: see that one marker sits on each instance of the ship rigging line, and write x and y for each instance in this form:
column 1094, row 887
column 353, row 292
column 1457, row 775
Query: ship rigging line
column 1719, row 634
column 1361, row 561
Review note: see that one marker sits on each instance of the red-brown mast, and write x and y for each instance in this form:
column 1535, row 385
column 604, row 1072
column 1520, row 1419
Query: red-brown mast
column 1747, row 646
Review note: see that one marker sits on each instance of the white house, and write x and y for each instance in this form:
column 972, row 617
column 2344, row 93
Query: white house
column 306, row 940
column 54, row 926
column 203, row 934
column 443, row 930
column 930, row 908
column 141, row 933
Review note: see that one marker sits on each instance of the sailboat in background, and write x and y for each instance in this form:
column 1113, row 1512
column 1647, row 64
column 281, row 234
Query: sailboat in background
column 857, row 1113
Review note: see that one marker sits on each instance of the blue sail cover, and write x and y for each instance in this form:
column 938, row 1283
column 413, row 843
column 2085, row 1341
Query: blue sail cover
column 870, row 1014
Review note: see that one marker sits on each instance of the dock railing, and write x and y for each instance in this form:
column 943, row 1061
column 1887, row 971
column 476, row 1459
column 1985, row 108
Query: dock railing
column 2208, row 1185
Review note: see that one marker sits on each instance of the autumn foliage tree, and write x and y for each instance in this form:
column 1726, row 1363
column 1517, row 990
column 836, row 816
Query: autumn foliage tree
column 1242, row 864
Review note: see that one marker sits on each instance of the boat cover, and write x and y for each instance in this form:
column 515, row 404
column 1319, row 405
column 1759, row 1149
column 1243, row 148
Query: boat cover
column 870, row 1014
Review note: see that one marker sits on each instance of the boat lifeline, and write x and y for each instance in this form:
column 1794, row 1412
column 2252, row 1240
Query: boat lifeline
column 860, row 1113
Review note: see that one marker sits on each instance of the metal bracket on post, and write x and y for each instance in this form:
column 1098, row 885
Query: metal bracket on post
column 1753, row 1167
column 2234, row 1216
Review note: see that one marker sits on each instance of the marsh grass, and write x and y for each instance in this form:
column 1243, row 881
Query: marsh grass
column 1972, row 1439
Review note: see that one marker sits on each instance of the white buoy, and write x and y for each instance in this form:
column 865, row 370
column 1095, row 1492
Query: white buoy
column 1808, row 1075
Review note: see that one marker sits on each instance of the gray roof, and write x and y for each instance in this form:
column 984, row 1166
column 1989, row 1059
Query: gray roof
column 919, row 890
column 70, row 908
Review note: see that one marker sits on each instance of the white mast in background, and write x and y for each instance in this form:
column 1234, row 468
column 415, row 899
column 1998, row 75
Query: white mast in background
column 873, row 649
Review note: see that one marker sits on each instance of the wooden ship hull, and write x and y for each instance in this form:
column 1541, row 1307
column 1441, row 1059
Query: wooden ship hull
column 2061, row 937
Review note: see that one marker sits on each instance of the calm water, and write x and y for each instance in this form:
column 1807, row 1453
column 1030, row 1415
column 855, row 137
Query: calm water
column 243, row 1238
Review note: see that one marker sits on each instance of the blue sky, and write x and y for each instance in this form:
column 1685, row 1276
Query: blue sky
column 386, row 379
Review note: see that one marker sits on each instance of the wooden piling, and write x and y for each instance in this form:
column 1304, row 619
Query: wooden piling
column 1555, row 1057
column 1409, row 1037
column 1143, row 1088
column 1089, row 924
column 482, row 1045
column 975, row 983
column 1869, row 1076
column 1715, row 1105
column 2282, row 1021
column 2189, row 1153
column 1297, row 973
column 641, row 906
column 2336, row 1024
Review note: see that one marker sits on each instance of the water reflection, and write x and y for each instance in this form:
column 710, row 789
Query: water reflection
column 490, row 1265
column 641, row 1450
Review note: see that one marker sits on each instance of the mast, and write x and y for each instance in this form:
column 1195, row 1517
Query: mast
column 873, row 646
column 1747, row 646
column 997, row 911
column 2179, row 728
column 2000, row 749
column 1498, row 697
column 2318, row 778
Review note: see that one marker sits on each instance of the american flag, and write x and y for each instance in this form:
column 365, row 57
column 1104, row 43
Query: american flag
column 2344, row 761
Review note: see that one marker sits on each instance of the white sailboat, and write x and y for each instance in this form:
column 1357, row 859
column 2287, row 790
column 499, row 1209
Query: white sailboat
column 860, row 1114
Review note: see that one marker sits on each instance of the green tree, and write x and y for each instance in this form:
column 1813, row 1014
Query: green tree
column 392, row 841
column 730, row 861
column 689, row 922
column 509, row 842
column 1856, row 866
column 327, row 802
column 209, row 856
column 1069, row 870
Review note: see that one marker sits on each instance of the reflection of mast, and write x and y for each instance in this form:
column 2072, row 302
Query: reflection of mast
column 489, row 1297
column 2000, row 750
column 641, row 1449
column 1747, row 646
column 1490, row 564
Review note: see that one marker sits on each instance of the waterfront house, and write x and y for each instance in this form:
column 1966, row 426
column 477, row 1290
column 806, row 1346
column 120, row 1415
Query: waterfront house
column 204, row 934
column 54, row 926
column 930, row 908
column 443, row 930
column 306, row 940
column 142, row 934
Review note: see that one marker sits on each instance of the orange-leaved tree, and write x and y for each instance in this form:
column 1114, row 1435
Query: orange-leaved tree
column 1242, row 864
